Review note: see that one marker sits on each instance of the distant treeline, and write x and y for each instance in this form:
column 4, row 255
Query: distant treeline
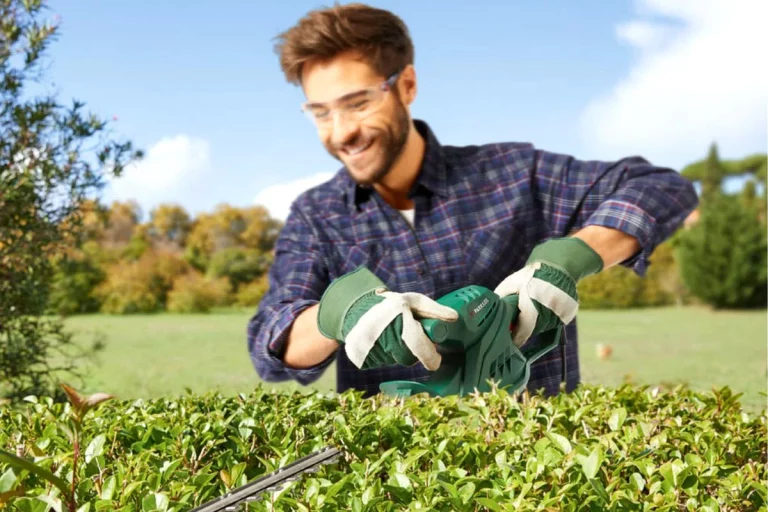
column 170, row 262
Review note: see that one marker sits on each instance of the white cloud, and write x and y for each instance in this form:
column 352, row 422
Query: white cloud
column 164, row 174
column 699, row 80
column 643, row 34
column 278, row 198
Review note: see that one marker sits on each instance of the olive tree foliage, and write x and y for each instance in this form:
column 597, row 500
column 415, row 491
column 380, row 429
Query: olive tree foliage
column 53, row 156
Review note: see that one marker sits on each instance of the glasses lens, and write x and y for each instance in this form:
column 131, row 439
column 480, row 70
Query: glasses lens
column 317, row 114
column 360, row 103
column 355, row 106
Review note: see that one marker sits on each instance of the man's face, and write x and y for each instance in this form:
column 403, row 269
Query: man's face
column 367, row 145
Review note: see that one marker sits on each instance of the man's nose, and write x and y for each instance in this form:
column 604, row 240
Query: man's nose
column 344, row 129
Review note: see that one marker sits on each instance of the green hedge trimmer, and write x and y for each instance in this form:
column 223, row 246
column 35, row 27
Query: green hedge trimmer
column 476, row 348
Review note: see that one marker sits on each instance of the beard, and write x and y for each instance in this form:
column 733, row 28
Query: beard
column 386, row 146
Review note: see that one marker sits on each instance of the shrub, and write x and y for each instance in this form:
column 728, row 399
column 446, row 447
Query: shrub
column 630, row 448
column 723, row 256
column 74, row 281
column 238, row 264
column 130, row 288
column 194, row 293
column 616, row 287
column 662, row 284
column 620, row 287
column 251, row 294
column 140, row 286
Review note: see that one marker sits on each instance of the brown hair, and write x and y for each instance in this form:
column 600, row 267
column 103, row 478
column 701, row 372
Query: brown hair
column 378, row 35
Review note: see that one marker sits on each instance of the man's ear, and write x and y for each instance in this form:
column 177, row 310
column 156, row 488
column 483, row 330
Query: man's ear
column 407, row 84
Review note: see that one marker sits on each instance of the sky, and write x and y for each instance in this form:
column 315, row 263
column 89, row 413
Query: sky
column 200, row 90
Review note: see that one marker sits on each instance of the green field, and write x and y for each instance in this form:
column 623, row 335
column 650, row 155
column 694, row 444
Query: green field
column 160, row 355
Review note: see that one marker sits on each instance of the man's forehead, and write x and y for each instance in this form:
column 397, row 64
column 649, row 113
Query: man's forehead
column 328, row 80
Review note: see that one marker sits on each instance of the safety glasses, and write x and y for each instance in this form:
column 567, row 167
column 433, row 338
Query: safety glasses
column 352, row 106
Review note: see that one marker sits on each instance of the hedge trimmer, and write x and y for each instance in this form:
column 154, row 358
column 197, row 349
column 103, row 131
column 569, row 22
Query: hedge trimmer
column 477, row 348
column 274, row 481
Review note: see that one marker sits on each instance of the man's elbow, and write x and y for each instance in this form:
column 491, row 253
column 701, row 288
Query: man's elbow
column 680, row 193
column 267, row 367
column 267, row 371
column 690, row 196
column 272, row 369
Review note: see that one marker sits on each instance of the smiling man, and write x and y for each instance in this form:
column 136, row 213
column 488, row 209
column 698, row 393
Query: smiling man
column 406, row 220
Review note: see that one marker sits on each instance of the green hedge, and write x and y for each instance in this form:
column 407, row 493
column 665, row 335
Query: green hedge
column 631, row 448
column 619, row 287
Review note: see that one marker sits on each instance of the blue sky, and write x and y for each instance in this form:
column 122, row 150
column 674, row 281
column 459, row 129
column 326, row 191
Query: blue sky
column 199, row 86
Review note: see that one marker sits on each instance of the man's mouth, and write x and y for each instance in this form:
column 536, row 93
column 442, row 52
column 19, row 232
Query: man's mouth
column 356, row 150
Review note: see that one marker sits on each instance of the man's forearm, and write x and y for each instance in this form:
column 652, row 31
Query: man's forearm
column 306, row 346
column 612, row 245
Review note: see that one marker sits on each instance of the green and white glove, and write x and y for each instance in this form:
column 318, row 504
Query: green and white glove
column 378, row 326
column 547, row 285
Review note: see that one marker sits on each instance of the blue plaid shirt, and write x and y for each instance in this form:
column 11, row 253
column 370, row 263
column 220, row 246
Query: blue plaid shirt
column 479, row 211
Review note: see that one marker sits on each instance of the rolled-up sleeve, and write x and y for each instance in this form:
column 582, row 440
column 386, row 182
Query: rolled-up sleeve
column 631, row 195
column 297, row 280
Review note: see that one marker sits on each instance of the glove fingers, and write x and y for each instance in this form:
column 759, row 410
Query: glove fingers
column 512, row 284
column 526, row 320
column 425, row 307
column 531, row 290
column 518, row 284
column 362, row 338
column 419, row 344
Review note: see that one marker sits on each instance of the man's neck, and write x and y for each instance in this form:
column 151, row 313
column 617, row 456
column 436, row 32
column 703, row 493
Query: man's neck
column 396, row 185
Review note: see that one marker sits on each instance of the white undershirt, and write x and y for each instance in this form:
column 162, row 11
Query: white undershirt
column 408, row 214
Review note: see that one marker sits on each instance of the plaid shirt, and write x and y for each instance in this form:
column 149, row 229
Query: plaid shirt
column 479, row 211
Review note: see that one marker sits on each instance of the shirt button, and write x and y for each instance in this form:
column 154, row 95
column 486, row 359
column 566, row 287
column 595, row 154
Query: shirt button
column 420, row 271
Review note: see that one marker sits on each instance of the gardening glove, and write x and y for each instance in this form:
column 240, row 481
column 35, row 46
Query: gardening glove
column 547, row 285
column 376, row 325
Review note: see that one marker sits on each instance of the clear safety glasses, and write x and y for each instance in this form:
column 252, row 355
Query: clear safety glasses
column 352, row 106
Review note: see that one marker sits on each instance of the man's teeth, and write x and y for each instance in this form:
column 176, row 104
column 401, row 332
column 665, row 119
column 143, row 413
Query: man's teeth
column 358, row 149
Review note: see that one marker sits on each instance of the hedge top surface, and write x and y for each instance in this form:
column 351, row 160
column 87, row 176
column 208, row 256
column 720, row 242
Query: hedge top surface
column 627, row 448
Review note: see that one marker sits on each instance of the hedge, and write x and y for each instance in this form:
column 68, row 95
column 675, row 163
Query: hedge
column 626, row 448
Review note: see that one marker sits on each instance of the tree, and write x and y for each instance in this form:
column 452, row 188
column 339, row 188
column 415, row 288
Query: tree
column 723, row 256
column 663, row 284
column 239, row 265
column 46, row 176
column 122, row 220
column 261, row 230
column 230, row 227
column 140, row 286
column 169, row 226
column 76, row 276
column 711, row 171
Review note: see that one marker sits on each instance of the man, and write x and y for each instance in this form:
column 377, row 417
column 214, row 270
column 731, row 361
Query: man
column 406, row 220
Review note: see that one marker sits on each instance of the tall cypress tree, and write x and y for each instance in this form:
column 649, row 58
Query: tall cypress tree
column 723, row 256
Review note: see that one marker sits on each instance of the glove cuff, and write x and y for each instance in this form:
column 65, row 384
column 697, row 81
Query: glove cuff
column 571, row 254
column 341, row 296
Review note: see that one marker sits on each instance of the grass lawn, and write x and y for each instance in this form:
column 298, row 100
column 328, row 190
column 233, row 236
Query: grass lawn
column 161, row 355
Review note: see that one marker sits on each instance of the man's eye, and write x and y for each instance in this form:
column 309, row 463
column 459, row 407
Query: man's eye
column 358, row 105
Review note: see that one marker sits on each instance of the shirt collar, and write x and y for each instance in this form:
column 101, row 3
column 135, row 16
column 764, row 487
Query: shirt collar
column 432, row 175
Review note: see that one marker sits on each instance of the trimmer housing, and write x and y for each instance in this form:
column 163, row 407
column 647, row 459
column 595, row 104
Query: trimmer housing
column 477, row 347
